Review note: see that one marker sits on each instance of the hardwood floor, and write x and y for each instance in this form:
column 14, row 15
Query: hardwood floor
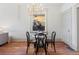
column 19, row 48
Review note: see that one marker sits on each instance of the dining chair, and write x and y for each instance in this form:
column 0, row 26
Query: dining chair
column 40, row 42
column 28, row 41
column 53, row 36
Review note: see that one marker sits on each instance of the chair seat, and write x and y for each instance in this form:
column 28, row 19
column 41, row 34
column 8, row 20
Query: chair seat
column 33, row 41
column 40, row 46
column 48, row 40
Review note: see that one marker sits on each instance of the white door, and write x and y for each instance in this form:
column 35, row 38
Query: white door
column 68, row 27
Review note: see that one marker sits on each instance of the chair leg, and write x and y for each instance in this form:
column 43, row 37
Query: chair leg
column 27, row 48
column 45, row 50
column 36, row 50
column 54, row 46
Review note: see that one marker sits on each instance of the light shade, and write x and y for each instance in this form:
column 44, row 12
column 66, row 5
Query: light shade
column 36, row 9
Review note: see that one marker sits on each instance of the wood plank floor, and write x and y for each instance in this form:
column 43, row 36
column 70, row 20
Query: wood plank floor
column 19, row 48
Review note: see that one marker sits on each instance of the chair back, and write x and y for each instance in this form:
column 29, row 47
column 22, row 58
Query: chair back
column 28, row 36
column 40, row 39
column 53, row 35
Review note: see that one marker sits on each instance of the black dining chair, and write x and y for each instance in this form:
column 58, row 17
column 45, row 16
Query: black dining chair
column 40, row 42
column 28, row 41
column 53, row 35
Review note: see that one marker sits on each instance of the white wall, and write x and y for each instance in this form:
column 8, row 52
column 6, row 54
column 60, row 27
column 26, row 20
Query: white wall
column 77, row 21
column 17, row 18
column 54, row 19
column 9, row 18
column 78, row 27
column 66, row 6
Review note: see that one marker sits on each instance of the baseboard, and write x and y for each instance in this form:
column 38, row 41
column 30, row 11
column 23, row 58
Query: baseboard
column 25, row 40
column 17, row 40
